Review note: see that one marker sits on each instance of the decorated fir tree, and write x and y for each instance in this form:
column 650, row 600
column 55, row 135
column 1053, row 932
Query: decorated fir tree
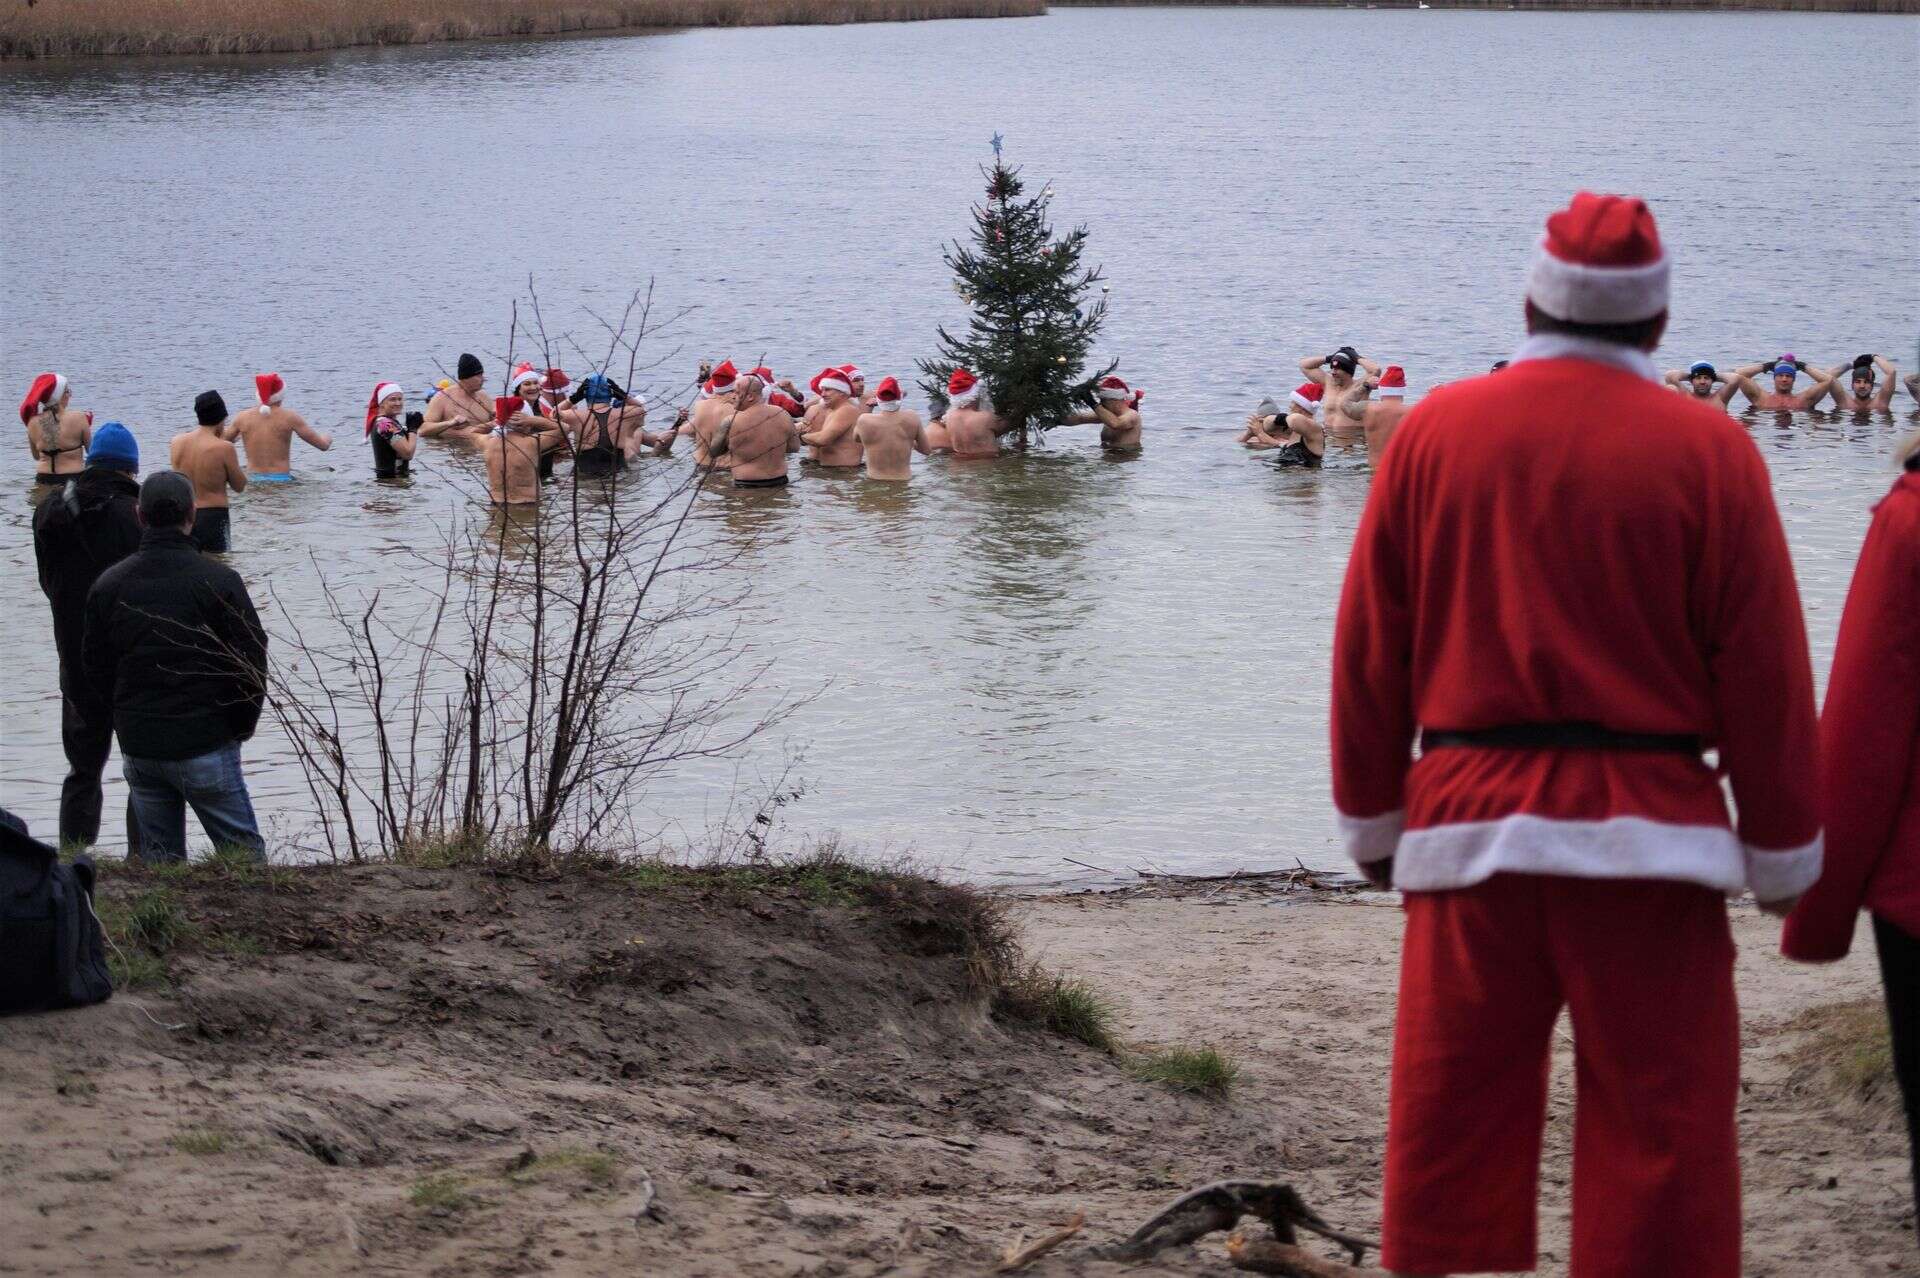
column 1032, row 325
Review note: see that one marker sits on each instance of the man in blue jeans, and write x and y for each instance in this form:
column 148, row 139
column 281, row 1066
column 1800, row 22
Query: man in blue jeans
column 173, row 644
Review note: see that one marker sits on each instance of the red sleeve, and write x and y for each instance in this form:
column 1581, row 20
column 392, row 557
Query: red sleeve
column 1868, row 731
column 1372, row 714
column 1763, row 685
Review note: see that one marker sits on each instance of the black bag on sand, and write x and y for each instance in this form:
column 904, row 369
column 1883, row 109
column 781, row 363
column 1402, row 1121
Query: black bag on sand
column 52, row 952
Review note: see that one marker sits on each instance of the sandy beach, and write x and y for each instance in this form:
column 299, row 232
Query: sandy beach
column 389, row 1071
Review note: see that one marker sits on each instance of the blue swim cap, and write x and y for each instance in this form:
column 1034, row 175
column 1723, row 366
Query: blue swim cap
column 597, row 389
column 114, row 446
column 1784, row 367
column 1699, row 366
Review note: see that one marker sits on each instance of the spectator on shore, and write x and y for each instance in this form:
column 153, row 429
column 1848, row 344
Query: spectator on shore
column 1561, row 843
column 78, row 533
column 1870, row 780
column 174, row 646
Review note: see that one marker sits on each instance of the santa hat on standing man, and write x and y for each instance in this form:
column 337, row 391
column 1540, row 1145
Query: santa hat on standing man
column 1601, row 262
column 831, row 379
column 721, row 380
column 1306, row 397
column 888, row 396
column 44, row 393
column 269, row 388
column 1393, row 383
column 963, row 389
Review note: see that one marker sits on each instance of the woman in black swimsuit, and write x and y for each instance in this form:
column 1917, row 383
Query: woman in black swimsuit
column 56, row 434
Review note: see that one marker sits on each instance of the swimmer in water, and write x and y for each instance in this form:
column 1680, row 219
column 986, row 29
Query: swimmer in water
column 535, row 420
column 1389, row 406
column 392, row 431
column 890, row 434
column 1703, row 382
column 973, row 428
column 1783, row 398
column 1347, row 386
column 833, row 442
column 460, row 410
column 515, row 448
column 266, row 434
column 1273, row 427
column 207, row 456
column 57, row 434
column 1116, row 411
column 613, row 422
column 715, row 405
column 1853, row 385
column 756, row 437
column 939, row 438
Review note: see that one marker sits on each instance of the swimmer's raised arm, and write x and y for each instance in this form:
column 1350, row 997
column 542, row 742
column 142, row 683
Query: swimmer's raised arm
column 1373, row 369
column 1913, row 385
column 1749, row 370
column 231, row 431
column 1674, row 377
column 1311, row 366
column 317, row 438
column 1744, row 383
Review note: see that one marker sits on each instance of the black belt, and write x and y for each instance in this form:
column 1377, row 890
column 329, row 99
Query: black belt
column 1560, row 736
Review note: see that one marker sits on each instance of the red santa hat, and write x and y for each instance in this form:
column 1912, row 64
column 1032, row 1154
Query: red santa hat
column 786, row 403
column 44, row 393
column 852, row 373
column 556, row 380
column 506, row 407
column 832, row 379
column 765, row 375
column 1306, row 396
column 269, row 388
column 1393, row 382
column 963, row 388
column 1601, row 263
column 1112, row 388
column 522, row 374
column 380, row 392
column 721, row 381
column 889, row 396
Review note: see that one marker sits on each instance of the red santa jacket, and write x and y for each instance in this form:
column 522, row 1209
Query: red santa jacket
column 1568, row 541
column 1870, row 744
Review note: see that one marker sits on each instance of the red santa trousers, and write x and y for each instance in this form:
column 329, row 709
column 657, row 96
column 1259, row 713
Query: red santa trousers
column 1646, row 970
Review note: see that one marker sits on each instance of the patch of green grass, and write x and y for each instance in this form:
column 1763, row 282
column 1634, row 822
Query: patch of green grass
column 232, row 944
column 443, row 1191
column 151, row 920
column 1064, row 1004
column 1204, row 1071
column 201, row 1141
column 596, row 1167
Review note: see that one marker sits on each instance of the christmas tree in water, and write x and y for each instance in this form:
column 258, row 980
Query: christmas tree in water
column 1029, row 333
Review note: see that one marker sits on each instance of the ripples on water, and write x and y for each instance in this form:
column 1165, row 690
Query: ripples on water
column 1120, row 662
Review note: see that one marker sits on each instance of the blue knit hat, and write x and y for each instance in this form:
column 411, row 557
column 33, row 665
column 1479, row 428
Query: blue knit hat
column 113, row 445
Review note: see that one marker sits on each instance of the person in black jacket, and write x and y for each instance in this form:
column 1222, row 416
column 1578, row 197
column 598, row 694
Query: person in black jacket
column 174, row 646
column 78, row 533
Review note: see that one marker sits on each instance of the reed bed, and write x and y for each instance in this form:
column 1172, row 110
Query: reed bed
column 107, row 28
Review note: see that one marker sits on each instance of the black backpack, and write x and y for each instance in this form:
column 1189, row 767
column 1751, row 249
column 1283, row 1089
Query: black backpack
column 52, row 952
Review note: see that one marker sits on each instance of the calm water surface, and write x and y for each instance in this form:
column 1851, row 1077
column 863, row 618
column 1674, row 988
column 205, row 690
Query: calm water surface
column 1124, row 663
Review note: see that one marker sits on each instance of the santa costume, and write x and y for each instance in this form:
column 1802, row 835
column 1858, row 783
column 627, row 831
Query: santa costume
column 1565, row 617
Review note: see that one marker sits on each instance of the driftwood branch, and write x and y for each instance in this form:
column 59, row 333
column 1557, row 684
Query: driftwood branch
column 1220, row 1206
column 1021, row 1253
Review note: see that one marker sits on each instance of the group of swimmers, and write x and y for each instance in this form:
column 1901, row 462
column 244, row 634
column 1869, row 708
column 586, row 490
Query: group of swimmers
column 746, row 425
column 1346, row 394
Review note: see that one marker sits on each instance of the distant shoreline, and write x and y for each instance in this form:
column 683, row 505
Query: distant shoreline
column 142, row 28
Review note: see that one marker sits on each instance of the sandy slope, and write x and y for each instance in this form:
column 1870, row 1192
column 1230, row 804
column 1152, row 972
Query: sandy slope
column 757, row 1084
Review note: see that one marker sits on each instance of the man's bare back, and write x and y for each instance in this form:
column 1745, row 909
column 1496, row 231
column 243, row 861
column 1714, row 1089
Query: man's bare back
column 707, row 417
column 975, row 433
column 833, row 441
column 939, row 438
column 758, row 443
column 512, row 457
column 890, row 437
column 211, row 462
column 267, row 435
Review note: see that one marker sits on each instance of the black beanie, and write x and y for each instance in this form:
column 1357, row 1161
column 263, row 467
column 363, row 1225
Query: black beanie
column 469, row 367
column 209, row 408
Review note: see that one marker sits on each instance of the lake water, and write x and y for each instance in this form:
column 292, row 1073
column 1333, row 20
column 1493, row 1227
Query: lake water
column 1058, row 658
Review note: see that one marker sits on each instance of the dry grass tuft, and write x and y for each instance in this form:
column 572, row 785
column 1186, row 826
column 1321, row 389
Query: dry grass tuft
column 106, row 28
column 1848, row 1050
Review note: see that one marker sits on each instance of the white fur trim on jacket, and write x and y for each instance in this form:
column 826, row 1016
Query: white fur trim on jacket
column 1439, row 857
column 1372, row 838
column 1598, row 294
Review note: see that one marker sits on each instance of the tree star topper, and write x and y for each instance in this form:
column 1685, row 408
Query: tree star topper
column 997, row 140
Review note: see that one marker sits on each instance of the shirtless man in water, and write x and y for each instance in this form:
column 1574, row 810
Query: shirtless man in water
column 714, row 407
column 1783, row 398
column 890, row 434
column 1704, row 383
column 267, row 434
column 1295, row 438
column 1853, row 385
column 460, row 409
column 512, row 449
column 1117, row 411
column 757, row 437
column 833, row 441
column 972, row 425
column 939, row 438
column 207, row 457
column 1384, row 413
column 1347, row 385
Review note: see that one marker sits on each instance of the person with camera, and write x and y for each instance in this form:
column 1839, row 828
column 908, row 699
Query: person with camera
column 173, row 647
column 392, row 431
